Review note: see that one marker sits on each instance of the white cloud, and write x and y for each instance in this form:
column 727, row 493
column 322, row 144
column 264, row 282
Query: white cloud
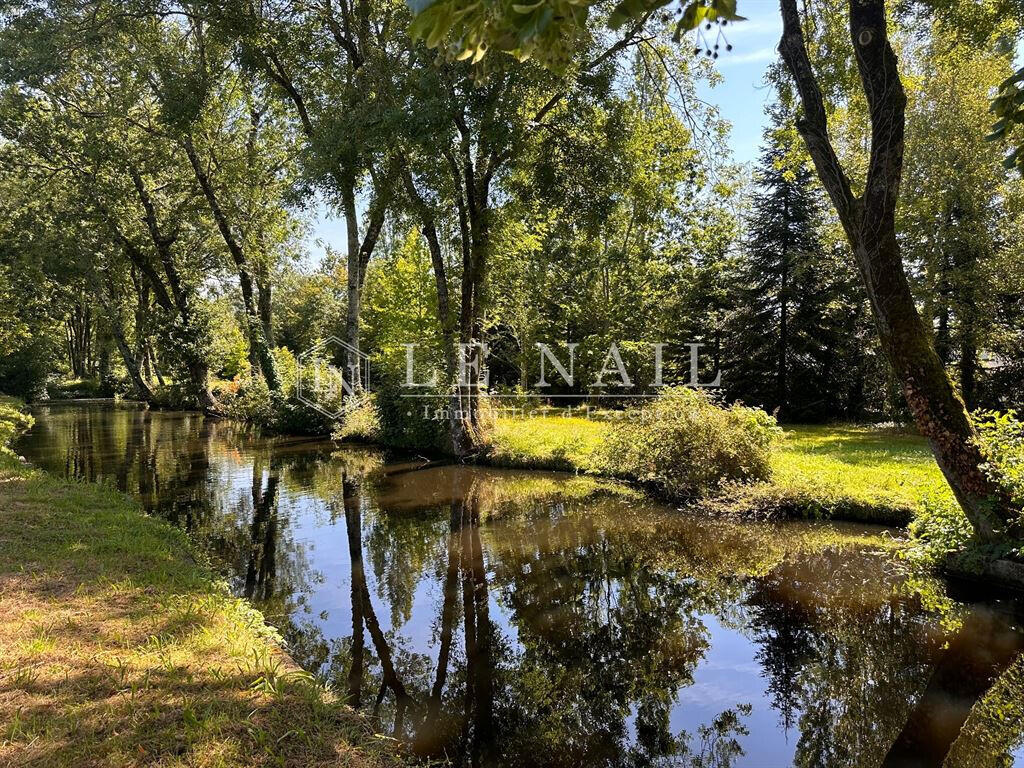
column 757, row 56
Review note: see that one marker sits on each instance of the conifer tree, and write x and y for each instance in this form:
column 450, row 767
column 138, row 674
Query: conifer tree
column 797, row 306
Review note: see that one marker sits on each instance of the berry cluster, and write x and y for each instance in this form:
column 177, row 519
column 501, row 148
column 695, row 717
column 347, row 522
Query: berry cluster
column 712, row 49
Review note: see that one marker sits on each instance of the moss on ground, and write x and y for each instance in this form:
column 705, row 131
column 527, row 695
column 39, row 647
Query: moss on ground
column 118, row 649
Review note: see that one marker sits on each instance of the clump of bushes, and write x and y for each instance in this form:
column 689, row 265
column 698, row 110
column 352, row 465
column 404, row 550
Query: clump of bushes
column 941, row 531
column 686, row 445
column 13, row 422
column 413, row 423
column 360, row 419
column 248, row 398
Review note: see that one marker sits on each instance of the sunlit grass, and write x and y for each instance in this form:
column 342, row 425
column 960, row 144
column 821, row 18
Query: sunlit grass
column 547, row 442
column 850, row 472
column 859, row 469
column 117, row 649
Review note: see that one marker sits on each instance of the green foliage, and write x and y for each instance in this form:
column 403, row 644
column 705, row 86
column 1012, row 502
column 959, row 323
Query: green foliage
column 75, row 389
column 309, row 306
column 229, row 349
column 1001, row 439
column 561, row 442
column 1008, row 108
column 413, row 423
column 360, row 420
column 940, row 530
column 798, row 336
column 546, row 30
column 13, row 422
column 687, row 445
column 248, row 398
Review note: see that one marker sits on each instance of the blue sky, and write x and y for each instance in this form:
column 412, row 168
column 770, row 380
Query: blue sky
column 743, row 96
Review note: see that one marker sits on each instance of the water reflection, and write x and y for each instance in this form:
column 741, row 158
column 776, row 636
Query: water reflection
column 508, row 618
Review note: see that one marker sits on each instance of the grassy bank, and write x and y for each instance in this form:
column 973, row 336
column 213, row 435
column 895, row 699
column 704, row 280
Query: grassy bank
column 847, row 472
column 117, row 649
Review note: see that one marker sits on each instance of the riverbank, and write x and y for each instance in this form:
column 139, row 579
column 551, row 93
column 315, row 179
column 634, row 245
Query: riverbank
column 118, row 648
column 842, row 472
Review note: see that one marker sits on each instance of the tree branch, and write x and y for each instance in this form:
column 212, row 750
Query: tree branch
column 813, row 124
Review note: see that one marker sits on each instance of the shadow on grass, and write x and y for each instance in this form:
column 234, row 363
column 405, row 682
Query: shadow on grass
column 117, row 650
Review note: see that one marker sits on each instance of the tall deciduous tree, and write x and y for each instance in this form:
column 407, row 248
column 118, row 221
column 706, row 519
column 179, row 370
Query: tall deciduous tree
column 869, row 221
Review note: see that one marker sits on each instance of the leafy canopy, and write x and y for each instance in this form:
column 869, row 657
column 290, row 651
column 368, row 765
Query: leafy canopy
column 543, row 30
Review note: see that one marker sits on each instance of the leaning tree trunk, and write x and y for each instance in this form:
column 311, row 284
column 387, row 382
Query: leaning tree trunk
column 260, row 356
column 869, row 221
column 177, row 299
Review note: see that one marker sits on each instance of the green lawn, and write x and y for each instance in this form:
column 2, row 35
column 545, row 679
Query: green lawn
column 117, row 649
column 849, row 472
column 856, row 472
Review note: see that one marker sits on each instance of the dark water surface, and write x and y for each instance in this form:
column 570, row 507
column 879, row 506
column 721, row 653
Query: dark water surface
column 524, row 618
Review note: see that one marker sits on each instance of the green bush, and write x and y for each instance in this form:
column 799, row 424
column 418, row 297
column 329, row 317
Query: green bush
column 687, row 446
column 175, row 397
column 360, row 420
column 248, row 398
column 13, row 422
column 940, row 529
column 23, row 371
column 76, row 389
column 412, row 423
column 1001, row 439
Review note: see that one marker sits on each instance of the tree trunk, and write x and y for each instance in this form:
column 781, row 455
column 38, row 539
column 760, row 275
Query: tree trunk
column 348, row 204
column 357, row 261
column 131, row 361
column 459, row 437
column 264, row 294
column 260, row 356
column 869, row 223
column 176, row 300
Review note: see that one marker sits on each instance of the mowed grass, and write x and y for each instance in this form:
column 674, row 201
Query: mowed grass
column 117, row 649
column 857, row 471
column 830, row 471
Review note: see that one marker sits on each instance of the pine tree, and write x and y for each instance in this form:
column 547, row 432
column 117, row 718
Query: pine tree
column 797, row 309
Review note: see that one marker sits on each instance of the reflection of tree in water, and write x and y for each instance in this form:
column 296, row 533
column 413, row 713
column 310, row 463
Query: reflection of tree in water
column 602, row 644
column 845, row 657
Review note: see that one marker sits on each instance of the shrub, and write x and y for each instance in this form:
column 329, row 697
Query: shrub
column 687, row 446
column 1001, row 439
column 940, row 529
column 176, row 397
column 13, row 422
column 248, row 399
column 410, row 423
column 360, row 419
column 23, row 371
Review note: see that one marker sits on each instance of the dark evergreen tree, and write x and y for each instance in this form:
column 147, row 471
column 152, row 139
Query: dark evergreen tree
column 798, row 334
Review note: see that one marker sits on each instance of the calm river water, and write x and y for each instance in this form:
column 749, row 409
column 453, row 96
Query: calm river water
column 524, row 618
